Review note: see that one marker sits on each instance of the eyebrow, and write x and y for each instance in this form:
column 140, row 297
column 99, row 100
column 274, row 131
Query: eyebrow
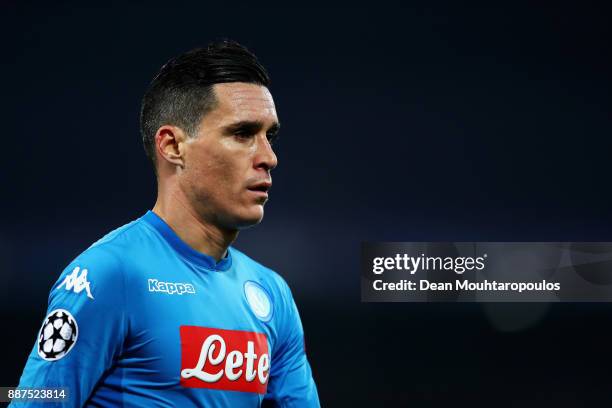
column 250, row 126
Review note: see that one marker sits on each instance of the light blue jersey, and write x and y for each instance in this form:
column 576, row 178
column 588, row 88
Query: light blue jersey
column 140, row 319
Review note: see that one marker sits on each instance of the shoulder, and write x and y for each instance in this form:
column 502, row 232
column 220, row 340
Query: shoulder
column 120, row 239
column 116, row 246
column 262, row 271
column 103, row 262
column 270, row 278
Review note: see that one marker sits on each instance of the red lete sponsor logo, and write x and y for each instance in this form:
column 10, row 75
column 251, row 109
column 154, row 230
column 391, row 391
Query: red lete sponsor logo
column 220, row 359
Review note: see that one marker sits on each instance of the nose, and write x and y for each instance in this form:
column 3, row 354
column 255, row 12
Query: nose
column 265, row 157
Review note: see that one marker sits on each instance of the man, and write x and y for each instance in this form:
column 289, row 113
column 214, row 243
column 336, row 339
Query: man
column 163, row 311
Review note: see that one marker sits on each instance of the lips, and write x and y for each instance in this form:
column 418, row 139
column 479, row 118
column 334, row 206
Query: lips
column 259, row 189
column 262, row 186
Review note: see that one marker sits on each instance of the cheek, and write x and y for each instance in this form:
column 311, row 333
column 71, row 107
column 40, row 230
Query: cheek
column 215, row 173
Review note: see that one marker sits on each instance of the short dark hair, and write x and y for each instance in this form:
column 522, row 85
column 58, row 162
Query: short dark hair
column 182, row 92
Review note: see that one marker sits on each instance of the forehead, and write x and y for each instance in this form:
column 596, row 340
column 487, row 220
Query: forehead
column 237, row 101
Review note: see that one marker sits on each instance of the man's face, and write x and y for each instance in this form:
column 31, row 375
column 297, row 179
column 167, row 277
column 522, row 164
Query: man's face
column 227, row 165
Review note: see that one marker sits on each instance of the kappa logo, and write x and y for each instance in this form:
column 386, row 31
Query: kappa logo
column 170, row 288
column 77, row 282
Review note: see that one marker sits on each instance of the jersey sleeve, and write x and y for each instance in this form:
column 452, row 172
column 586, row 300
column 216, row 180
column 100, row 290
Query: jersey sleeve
column 291, row 383
column 83, row 331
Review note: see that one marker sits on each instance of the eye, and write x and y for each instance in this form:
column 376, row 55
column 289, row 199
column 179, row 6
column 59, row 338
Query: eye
column 243, row 135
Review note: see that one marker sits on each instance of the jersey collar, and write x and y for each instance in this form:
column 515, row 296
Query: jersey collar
column 182, row 248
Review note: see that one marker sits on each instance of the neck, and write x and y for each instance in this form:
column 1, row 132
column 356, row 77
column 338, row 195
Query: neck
column 192, row 228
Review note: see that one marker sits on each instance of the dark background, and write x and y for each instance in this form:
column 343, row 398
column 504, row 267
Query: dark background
column 409, row 124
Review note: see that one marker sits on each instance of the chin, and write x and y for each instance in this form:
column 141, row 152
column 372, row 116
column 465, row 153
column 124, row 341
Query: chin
column 250, row 218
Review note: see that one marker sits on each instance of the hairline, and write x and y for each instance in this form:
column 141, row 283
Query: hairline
column 214, row 104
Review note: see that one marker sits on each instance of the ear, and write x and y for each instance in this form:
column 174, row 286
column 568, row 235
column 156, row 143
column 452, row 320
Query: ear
column 169, row 143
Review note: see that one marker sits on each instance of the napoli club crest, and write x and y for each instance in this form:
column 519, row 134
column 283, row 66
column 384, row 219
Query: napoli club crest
column 259, row 300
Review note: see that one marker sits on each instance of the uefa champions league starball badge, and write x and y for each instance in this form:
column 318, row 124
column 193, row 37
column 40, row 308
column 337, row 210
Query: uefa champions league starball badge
column 57, row 335
column 259, row 300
